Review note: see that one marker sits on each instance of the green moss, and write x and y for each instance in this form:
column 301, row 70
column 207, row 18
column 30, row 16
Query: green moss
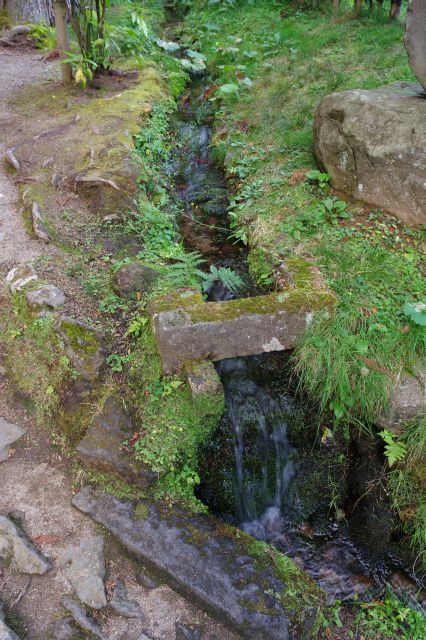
column 33, row 356
column 81, row 339
column 299, row 594
column 141, row 511
column 292, row 301
column 172, row 300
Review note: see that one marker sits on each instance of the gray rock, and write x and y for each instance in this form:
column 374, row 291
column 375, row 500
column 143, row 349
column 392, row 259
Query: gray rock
column 134, row 278
column 47, row 296
column 83, row 346
column 415, row 38
column 200, row 559
column 80, row 617
column 64, row 630
column 19, row 277
column 203, row 379
column 85, row 570
column 6, row 633
column 102, row 445
column 16, row 549
column 407, row 400
column 188, row 333
column 39, row 227
column 372, row 145
column 122, row 606
column 9, row 434
column 183, row 632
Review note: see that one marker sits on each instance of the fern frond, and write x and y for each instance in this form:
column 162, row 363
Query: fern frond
column 228, row 277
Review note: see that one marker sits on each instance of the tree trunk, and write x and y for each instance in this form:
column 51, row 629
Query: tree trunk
column 30, row 10
column 63, row 41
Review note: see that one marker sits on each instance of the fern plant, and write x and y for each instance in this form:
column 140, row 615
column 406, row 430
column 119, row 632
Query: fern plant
column 394, row 451
column 228, row 277
column 186, row 271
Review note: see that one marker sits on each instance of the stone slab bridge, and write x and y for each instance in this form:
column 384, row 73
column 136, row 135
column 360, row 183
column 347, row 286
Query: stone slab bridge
column 190, row 330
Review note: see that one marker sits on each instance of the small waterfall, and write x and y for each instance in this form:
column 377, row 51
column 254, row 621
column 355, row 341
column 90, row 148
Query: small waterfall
column 264, row 469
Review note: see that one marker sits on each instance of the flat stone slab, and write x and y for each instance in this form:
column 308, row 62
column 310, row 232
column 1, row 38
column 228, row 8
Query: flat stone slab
column 17, row 550
column 102, row 445
column 253, row 588
column 9, row 434
column 188, row 333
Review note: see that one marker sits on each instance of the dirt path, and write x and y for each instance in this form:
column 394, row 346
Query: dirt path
column 36, row 482
column 17, row 69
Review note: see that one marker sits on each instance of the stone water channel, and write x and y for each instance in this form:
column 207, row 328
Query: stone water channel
column 253, row 475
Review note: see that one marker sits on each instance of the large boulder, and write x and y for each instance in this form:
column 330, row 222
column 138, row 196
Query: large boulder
column 372, row 145
column 415, row 38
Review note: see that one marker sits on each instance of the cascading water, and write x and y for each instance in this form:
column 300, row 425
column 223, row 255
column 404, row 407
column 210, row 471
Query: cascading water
column 261, row 491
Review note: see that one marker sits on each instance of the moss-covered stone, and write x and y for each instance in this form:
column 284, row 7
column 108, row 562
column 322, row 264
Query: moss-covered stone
column 83, row 347
column 246, row 326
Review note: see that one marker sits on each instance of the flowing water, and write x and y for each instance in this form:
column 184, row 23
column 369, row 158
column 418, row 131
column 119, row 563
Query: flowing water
column 251, row 472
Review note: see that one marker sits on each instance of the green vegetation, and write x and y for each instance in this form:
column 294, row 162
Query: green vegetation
column 44, row 37
column 173, row 424
column 385, row 619
column 34, row 358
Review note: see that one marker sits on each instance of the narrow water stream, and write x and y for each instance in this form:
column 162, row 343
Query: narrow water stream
column 250, row 467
